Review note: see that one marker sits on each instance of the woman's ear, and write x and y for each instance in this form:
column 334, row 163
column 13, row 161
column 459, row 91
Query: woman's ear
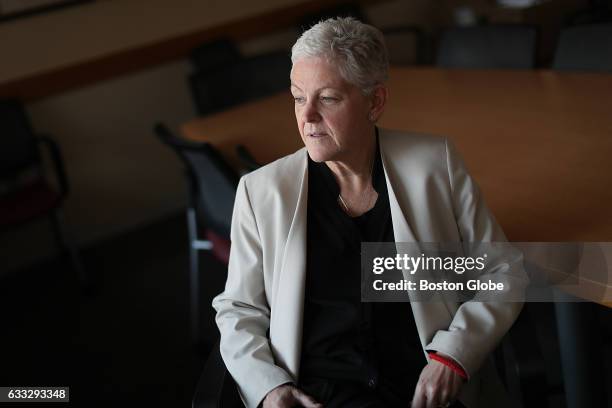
column 378, row 101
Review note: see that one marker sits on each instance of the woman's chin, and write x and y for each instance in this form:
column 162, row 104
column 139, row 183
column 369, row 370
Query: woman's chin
column 319, row 155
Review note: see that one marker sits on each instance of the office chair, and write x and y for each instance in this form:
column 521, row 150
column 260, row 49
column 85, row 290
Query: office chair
column 214, row 54
column 596, row 11
column 518, row 358
column 25, row 192
column 406, row 45
column 216, row 388
column 585, row 48
column 247, row 160
column 211, row 191
column 239, row 82
column 487, row 47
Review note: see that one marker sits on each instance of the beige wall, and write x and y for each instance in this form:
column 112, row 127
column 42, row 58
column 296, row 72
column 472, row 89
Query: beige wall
column 84, row 32
column 115, row 162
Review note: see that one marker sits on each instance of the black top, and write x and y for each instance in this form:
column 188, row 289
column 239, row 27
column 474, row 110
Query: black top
column 343, row 338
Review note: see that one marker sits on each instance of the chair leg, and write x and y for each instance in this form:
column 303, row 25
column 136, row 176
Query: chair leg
column 194, row 276
column 68, row 246
column 524, row 363
column 581, row 348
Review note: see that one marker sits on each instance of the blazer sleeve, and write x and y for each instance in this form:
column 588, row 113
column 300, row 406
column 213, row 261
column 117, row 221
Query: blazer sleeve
column 243, row 314
column 477, row 327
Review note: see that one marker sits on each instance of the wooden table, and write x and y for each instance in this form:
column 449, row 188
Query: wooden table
column 539, row 143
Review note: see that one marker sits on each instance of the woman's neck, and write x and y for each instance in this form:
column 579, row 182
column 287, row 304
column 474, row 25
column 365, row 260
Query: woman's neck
column 354, row 173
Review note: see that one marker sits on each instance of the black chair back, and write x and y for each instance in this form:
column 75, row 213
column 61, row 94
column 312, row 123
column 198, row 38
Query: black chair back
column 406, row 45
column 212, row 181
column 245, row 80
column 488, row 47
column 18, row 150
column 585, row 48
column 215, row 54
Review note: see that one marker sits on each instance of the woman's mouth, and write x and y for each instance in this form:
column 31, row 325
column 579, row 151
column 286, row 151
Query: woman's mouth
column 317, row 134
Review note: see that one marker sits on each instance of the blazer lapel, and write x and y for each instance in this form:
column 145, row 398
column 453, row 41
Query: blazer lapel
column 286, row 319
column 432, row 315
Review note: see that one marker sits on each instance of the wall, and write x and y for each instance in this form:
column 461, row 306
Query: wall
column 85, row 32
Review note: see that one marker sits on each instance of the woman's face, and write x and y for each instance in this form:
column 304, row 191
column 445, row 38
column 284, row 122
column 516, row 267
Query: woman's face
column 332, row 114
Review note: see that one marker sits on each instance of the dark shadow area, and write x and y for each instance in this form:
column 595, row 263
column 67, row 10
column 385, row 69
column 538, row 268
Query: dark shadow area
column 128, row 341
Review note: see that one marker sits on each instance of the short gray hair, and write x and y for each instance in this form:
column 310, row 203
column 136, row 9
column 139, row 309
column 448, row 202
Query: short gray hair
column 358, row 49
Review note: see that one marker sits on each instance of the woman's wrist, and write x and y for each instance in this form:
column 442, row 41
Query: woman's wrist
column 449, row 362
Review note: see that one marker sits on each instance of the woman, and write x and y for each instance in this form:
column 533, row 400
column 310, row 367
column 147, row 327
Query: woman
column 293, row 329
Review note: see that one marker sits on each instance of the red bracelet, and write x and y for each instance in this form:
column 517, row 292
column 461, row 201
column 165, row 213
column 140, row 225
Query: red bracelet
column 449, row 363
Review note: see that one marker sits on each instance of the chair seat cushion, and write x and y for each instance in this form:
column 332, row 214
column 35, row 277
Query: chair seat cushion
column 29, row 201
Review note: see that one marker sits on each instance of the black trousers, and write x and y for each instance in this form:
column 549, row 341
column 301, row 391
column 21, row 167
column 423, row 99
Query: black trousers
column 350, row 394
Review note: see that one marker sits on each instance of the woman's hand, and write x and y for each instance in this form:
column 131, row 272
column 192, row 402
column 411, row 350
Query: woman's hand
column 438, row 386
column 287, row 396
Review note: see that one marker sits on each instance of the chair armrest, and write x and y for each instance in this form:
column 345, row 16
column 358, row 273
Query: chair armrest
column 58, row 162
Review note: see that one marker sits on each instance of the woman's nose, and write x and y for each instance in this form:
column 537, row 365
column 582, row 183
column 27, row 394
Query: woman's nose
column 311, row 113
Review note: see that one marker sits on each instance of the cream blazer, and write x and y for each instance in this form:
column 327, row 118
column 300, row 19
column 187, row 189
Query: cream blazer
column 432, row 199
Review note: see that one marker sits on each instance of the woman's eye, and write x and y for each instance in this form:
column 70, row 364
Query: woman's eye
column 298, row 99
column 328, row 99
